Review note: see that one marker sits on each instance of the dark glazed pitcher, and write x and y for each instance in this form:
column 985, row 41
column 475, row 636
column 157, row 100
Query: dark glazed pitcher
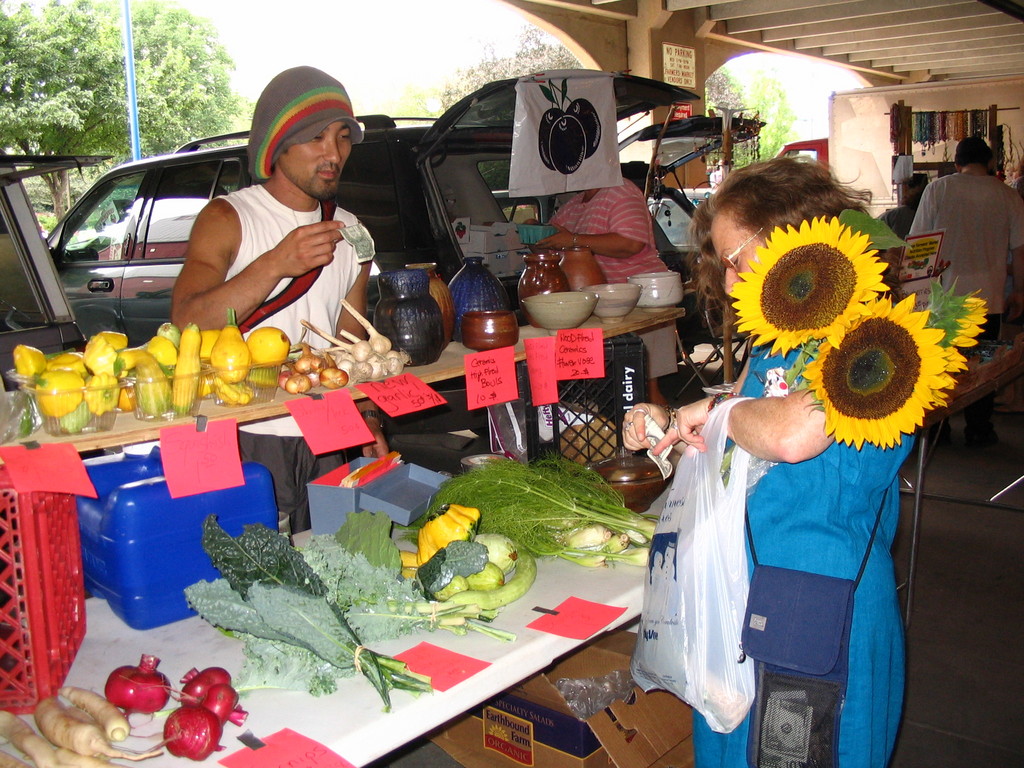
column 409, row 316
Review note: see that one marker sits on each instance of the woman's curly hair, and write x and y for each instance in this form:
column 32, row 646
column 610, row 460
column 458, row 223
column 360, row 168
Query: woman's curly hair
column 776, row 193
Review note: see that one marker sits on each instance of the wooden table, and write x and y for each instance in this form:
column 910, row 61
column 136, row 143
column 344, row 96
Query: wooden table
column 128, row 430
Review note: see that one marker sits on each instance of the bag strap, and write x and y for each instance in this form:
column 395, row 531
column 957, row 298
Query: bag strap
column 867, row 552
column 296, row 288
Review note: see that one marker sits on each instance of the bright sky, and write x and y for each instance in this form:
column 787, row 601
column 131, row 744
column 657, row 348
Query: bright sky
column 376, row 58
column 375, row 48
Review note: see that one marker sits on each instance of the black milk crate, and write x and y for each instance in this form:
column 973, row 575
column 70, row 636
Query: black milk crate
column 585, row 425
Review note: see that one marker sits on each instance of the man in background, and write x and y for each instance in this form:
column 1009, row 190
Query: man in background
column 982, row 220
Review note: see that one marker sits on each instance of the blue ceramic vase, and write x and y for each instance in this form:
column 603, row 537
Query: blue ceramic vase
column 408, row 315
column 475, row 288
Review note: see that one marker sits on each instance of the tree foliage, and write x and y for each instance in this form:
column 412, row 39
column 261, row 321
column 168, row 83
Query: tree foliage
column 536, row 51
column 63, row 80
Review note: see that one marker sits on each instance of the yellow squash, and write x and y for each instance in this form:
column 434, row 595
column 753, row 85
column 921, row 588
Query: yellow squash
column 28, row 361
column 230, row 357
column 59, row 392
column 453, row 523
column 186, row 382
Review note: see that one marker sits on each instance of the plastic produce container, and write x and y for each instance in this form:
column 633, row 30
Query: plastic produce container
column 141, row 548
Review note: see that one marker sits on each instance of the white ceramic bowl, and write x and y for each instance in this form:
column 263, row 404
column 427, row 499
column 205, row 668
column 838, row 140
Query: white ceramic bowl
column 658, row 289
column 615, row 300
column 565, row 309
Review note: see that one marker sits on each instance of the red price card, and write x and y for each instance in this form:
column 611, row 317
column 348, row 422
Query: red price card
column 331, row 422
column 196, row 462
column 579, row 353
column 286, row 748
column 401, row 394
column 577, row 618
column 444, row 668
column 55, row 468
column 491, row 377
column 540, row 365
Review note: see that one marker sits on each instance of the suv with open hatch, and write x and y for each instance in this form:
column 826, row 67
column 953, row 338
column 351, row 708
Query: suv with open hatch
column 119, row 250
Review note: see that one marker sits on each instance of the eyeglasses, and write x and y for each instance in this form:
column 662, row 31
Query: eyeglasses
column 730, row 260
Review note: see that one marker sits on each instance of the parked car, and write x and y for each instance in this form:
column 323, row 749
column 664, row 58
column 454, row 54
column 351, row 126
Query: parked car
column 119, row 249
column 33, row 308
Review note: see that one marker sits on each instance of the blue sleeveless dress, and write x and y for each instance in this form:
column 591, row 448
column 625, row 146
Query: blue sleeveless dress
column 817, row 516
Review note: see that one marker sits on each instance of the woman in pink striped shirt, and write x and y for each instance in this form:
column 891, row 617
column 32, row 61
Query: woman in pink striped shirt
column 614, row 223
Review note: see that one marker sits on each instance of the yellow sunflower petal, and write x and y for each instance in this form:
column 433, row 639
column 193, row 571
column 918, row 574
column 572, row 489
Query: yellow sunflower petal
column 807, row 284
column 881, row 378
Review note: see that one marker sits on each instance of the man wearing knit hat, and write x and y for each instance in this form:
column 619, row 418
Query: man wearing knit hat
column 275, row 253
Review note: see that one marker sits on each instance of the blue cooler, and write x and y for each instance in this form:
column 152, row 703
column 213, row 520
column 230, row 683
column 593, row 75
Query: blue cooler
column 141, row 548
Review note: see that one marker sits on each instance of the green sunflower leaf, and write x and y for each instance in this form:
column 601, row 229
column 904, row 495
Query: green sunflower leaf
column 878, row 232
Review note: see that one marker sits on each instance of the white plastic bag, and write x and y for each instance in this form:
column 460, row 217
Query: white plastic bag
column 688, row 641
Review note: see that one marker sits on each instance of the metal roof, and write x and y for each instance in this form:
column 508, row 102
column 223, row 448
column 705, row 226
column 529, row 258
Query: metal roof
column 908, row 40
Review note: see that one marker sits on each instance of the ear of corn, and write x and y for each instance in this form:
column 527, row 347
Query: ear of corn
column 186, row 372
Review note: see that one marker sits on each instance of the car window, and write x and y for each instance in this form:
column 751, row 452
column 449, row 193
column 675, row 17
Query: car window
column 99, row 226
column 19, row 305
column 181, row 193
column 518, row 210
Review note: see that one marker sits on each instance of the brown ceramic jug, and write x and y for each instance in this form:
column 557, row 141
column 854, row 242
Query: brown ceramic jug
column 581, row 267
column 541, row 275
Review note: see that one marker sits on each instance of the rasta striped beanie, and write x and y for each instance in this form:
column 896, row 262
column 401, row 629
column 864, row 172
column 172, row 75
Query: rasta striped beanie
column 294, row 107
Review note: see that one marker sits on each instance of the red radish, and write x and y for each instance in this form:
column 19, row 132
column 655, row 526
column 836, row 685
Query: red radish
column 197, row 683
column 192, row 732
column 222, row 700
column 138, row 689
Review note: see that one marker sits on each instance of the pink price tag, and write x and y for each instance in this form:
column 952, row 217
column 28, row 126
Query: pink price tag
column 331, row 422
column 444, row 668
column 579, row 353
column 540, row 365
column 577, row 618
column 286, row 748
column 197, row 462
column 401, row 394
column 491, row 377
column 54, row 468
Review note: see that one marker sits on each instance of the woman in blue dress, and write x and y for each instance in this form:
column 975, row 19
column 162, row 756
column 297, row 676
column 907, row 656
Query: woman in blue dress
column 815, row 508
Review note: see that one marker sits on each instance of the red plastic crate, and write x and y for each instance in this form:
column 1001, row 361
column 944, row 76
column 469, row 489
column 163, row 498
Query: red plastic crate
column 42, row 594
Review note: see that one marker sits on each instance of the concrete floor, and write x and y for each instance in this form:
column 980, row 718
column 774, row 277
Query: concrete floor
column 965, row 668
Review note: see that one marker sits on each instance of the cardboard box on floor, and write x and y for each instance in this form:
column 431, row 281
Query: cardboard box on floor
column 532, row 725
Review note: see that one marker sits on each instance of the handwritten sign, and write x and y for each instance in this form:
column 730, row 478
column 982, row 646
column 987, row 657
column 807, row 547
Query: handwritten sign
column 444, row 668
column 286, row 748
column 401, row 394
column 579, row 353
column 577, row 618
column 540, row 366
column 197, row 462
column 55, row 468
column 491, row 377
column 330, row 423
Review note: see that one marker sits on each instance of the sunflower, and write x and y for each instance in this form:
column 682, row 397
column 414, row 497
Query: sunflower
column 959, row 317
column 881, row 376
column 807, row 283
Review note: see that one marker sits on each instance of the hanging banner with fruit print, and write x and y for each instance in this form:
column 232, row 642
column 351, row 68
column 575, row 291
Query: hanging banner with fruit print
column 565, row 137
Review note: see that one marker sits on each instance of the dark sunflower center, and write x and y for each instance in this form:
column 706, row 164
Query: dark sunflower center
column 809, row 287
column 872, row 375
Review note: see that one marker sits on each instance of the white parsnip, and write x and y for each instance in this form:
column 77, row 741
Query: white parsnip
column 74, row 729
column 109, row 717
column 28, row 742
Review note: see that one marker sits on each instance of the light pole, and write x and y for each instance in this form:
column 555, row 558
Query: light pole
column 129, row 72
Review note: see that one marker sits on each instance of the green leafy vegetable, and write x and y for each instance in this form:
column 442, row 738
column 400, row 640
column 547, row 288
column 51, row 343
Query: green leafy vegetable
column 538, row 504
column 369, row 534
column 459, row 558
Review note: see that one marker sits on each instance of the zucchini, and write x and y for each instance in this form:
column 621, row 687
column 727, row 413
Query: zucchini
column 517, row 586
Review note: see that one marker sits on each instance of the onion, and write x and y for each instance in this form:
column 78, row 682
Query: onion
column 195, row 684
column 222, row 700
column 297, row 384
column 192, row 732
column 333, row 378
column 138, row 689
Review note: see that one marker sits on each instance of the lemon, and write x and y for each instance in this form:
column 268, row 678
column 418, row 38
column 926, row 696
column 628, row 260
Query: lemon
column 268, row 345
column 28, row 361
column 59, row 392
column 115, row 339
column 163, row 350
column 68, row 361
